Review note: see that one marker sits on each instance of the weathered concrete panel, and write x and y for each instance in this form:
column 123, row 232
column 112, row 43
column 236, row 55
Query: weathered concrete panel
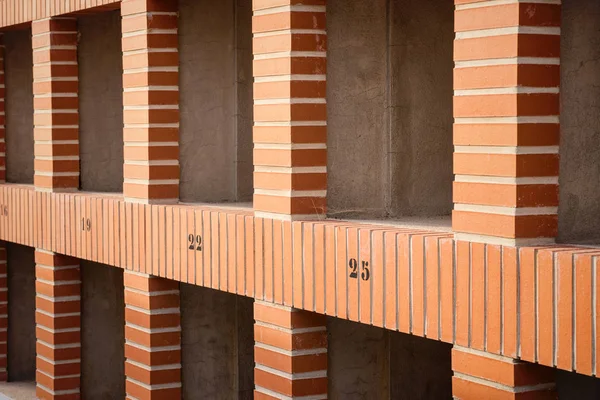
column 579, row 210
column 358, row 123
column 389, row 104
column 570, row 385
column 421, row 63
column 21, row 312
column 366, row 362
column 102, row 332
column 19, row 106
column 358, row 359
column 215, row 100
column 419, row 368
column 217, row 344
column 101, row 102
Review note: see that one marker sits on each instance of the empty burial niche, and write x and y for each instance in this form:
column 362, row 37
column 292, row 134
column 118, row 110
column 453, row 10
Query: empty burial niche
column 21, row 313
column 579, row 176
column 18, row 80
column 383, row 364
column 102, row 332
column 389, row 106
column 101, row 102
column 215, row 73
column 217, row 344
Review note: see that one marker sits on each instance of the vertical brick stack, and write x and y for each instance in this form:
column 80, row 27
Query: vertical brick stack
column 58, row 326
column 55, row 104
column 152, row 337
column 479, row 375
column 2, row 115
column 3, row 315
column 290, row 353
column 151, row 100
column 290, row 118
column 506, row 132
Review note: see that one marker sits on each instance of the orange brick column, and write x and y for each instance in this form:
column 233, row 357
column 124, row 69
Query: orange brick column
column 3, row 314
column 290, row 352
column 479, row 375
column 2, row 115
column 152, row 337
column 151, row 100
column 506, row 131
column 55, row 104
column 290, row 119
column 58, row 326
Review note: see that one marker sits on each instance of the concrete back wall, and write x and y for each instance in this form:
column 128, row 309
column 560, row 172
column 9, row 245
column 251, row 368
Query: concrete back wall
column 102, row 332
column 215, row 100
column 101, row 102
column 217, row 344
column 366, row 362
column 21, row 312
column 579, row 210
column 19, row 106
column 389, row 104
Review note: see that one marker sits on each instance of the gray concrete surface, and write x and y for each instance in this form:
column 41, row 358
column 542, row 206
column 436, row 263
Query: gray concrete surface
column 389, row 104
column 101, row 102
column 17, row 391
column 21, row 312
column 217, row 344
column 19, row 106
column 579, row 209
column 358, row 361
column 102, row 332
column 570, row 386
column 366, row 362
column 215, row 100
column 420, row 369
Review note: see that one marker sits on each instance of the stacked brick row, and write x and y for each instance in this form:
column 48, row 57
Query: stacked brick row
column 506, row 109
column 58, row 326
column 2, row 115
column 152, row 337
column 486, row 297
column 14, row 12
column 56, row 104
column 290, row 353
column 150, row 100
column 290, row 118
column 3, row 315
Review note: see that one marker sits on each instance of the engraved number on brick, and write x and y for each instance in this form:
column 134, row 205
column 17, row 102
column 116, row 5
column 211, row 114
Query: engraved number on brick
column 365, row 273
column 195, row 242
column 86, row 224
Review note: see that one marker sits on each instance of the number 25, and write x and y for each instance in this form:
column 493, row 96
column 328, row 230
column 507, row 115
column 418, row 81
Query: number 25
column 365, row 273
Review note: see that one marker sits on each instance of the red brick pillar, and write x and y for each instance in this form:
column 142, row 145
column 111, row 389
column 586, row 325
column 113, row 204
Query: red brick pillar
column 506, row 131
column 152, row 337
column 58, row 326
column 290, row 115
column 151, row 100
column 3, row 314
column 479, row 375
column 290, row 352
column 2, row 115
column 55, row 104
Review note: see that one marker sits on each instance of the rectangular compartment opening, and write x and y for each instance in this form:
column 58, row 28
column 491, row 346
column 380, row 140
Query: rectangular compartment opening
column 579, row 176
column 389, row 105
column 102, row 332
column 215, row 77
column 217, row 344
column 18, row 81
column 100, row 102
column 374, row 363
column 21, row 314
